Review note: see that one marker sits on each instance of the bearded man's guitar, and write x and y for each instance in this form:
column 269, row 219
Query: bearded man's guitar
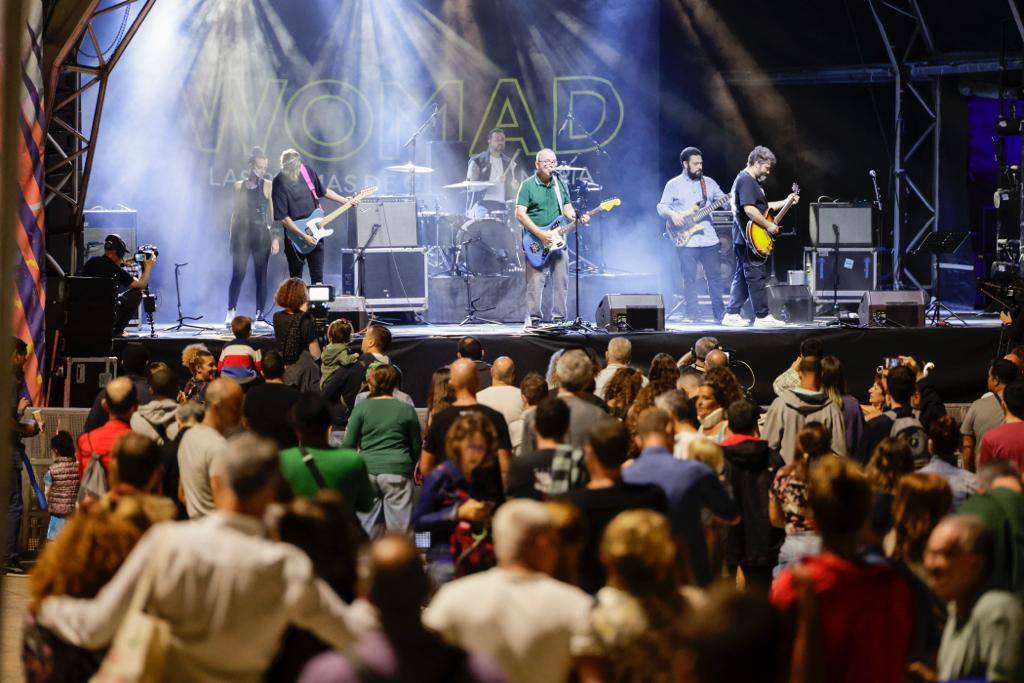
column 315, row 223
column 538, row 253
column 761, row 242
column 691, row 221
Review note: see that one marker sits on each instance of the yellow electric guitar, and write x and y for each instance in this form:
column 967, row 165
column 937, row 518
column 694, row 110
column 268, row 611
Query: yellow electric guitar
column 760, row 241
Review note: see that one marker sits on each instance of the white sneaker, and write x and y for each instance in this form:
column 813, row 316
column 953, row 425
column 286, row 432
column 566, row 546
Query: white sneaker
column 769, row 321
column 229, row 317
column 734, row 320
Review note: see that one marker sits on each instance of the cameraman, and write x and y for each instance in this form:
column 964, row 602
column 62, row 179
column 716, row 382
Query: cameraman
column 129, row 289
column 1013, row 322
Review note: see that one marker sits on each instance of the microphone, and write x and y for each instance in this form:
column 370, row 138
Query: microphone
column 568, row 117
column 434, row 115
column 871, row 173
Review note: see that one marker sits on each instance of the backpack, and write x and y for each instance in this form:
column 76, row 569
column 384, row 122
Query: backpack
column 292, row 344
column 909, row 429
column 94, row 479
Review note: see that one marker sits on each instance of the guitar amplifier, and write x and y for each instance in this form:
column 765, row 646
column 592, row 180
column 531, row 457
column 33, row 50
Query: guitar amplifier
column 851, row 219
column 396, row 217
column 628, row 312
column 394, row 280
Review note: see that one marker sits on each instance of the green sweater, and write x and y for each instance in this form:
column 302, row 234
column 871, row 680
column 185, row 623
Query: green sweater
column 342, row 469
column 1003, row 511
column 387, row 433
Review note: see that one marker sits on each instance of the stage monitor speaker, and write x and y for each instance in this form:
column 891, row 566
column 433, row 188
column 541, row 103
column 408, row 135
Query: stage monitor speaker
column 792, row 303
column 351, row 308
column 903, row 309
column 628, row 312
column 396, row 217
column 88, row 316
column 853, row 219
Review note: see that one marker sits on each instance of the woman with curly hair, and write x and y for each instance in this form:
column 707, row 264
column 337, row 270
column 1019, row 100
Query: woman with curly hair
column 639, row 617
column 83, row 557
column 621, row 391
column 296, row 336
column 663, row 373
column 453, row 507
column 921, row 500
column 787, row 500
column 715, row 394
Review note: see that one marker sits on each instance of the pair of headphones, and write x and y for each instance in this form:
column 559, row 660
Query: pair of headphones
column 113, row 242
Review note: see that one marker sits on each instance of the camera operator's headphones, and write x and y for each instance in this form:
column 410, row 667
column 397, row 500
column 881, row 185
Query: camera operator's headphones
column 113, row 242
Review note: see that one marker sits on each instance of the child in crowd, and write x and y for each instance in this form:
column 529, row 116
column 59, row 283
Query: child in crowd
column 336, row 354
column 240, row 360
column 61, row 482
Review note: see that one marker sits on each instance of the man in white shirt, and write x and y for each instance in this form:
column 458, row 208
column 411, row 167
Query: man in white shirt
column 495, row 166
column 537, row 628
column 205, row 442
column 618, row 356
column 227, row 592
column 505, row 397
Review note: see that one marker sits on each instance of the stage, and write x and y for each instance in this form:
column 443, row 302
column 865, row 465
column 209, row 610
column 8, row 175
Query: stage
column 961, row 353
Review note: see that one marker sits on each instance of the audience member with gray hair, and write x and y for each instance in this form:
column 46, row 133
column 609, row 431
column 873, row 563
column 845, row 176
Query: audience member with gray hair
column 575, row 372
column 982, row 638
column 547, row 632
column 226, row 592
column 618, row 356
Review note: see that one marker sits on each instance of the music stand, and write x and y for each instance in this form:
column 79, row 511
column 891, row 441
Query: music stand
column 936, row 244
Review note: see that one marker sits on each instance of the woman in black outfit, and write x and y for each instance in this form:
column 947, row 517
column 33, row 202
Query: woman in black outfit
column 296, row 336
column 251, row 233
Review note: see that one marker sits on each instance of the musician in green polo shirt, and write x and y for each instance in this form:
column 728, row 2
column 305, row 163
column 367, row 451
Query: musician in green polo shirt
column 541, row 199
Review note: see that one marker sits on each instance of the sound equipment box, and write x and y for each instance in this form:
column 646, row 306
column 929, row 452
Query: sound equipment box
column 394, row 280
column 88, row 322
column 792, row 303
column 351, row 308
column 396, row 217
column 858, row 272
column 902, row 309
column 851, row 219
column 84, row 377
column 628, row 312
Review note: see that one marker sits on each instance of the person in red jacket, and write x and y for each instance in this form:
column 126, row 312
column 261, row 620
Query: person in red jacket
column 865, row 607
column 120, row 402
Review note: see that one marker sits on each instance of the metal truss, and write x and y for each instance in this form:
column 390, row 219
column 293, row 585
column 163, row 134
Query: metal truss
column 918, row 127
column 82, row 68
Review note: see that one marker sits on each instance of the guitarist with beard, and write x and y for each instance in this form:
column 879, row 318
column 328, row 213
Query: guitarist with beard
column 295, row 194
column 750, row 206
column 684, row 196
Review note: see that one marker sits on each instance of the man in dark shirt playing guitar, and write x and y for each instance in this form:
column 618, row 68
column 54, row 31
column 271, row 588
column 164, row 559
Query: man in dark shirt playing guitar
column 295, row 196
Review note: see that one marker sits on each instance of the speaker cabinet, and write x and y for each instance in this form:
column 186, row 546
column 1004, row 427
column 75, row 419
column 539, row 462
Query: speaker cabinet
column 395, row 279
column 88, row 325
column 396, row 217
column 851, row 219
column 628, row 312
column 900, row 309
column 792, row 303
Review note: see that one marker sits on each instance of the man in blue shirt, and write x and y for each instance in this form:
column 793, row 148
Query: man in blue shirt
column 684, row 193
column 689, row 485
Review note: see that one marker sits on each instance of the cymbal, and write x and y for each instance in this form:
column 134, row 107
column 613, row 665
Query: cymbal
column 569, row 169
column 470, row 185
column 409, row 167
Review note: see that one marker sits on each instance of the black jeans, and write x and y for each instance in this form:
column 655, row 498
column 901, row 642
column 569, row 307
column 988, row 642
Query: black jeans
column 710, row 259
column 250, row 239
column 15, row 507
column 748, row 282
column 315, row 260
column 125, row 308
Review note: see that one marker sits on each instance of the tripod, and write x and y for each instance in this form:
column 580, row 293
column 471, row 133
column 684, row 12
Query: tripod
column 466, row 274
column 177, row 292
column 937, row 244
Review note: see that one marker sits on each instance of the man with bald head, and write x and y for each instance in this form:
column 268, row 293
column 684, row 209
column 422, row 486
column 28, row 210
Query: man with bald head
column 119, row 402
column 982, row 638
column 463, row 384
column 618, row 356
column 205, row 442
column 542, row 198
column 397, row 587
column 504, row 396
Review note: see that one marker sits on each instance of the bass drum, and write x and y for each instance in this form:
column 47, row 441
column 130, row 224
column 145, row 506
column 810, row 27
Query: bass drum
column 488, row 247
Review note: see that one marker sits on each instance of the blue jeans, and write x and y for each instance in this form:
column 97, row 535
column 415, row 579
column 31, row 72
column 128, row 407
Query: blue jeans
column 796, row 547
column 709, row 258
column 748, row 282
column 557, row 266
column 15, row 506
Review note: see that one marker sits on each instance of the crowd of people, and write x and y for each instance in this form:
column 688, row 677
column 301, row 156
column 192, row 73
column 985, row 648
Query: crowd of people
column 289, row 515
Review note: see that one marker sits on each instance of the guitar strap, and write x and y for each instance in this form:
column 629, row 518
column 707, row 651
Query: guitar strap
column 558, row 193
column 703, row 192
column 309, row 184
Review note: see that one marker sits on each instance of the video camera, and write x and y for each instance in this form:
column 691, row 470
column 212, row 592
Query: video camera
column 145, row 252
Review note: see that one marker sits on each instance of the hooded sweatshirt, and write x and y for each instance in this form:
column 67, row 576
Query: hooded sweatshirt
column 159, row 412
column 334, row 357
column 750, row 467
column 795, row 408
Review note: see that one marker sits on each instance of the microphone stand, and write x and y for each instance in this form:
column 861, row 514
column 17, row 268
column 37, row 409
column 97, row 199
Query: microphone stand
column 181, row 316
column 360, row 263
column 570, row 120
column 837, row 318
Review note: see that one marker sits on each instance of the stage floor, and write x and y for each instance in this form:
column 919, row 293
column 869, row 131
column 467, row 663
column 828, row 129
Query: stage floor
column 961, row 353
